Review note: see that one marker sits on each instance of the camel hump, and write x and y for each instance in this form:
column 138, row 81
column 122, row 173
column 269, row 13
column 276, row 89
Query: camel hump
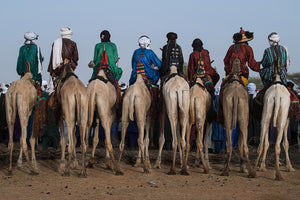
column 27, row 67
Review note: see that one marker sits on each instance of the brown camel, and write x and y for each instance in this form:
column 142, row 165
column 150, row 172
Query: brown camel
column 235, row 101
column 137, row 100
column 177, row 101
column 20, row 98
column 72, row 96
column 200, row 103
column 102, row 99
column 276, row 108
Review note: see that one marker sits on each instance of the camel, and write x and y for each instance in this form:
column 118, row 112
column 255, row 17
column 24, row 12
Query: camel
column 102, row 99
column 137, row 101
column 235, row 101
column 72, row 96
column 177, row 101
column 200, row 103
column 20, row 98
column 276, row 108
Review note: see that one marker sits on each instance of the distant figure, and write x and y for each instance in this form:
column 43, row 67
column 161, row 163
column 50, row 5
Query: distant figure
column 30, row 52
column 254, row 123
column 171, row 55
column 62, row 48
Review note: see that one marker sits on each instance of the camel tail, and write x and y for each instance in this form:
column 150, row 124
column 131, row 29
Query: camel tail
column 180, row 95
column 276, row 111
column 235, row 100
column 131, row 107
column 193, row 105
column 78, row 106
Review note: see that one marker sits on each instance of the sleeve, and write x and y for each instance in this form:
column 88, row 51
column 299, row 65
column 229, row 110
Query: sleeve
column 115, row 53
column 255, row 66
column 50, row 66
column 191, row 67
column 133, row 72
column 20, row 63
column 265, row 61
column 155, row 60
column 75, row 54
column 180, row 60
column 162, row 70
column 227, row 60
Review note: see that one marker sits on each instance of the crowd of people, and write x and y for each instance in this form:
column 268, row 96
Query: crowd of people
column 239, row 53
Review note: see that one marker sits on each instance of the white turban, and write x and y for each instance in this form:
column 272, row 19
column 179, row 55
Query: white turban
column 144, row 42
column 29, row 36
column 274, row 39
column 44, row 83
column 252, row 89
column 4, row 88
column 66, row 33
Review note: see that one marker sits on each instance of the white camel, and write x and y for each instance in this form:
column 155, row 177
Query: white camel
column 102, row 98
column 177, row 101
column 72, row 95
column 200, row 103
column 137, row 101
column 20, row 98
column 276, row 108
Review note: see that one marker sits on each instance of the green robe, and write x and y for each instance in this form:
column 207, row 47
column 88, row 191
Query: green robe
column 112, row 55
column 29, row 53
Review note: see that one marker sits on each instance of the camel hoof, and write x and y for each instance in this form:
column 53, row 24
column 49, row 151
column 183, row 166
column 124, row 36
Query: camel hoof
column 146, row 171
column 157, row 166
column 66, row 173
column 91, row 164
column 34, row 173
column 279, row 178
column 9, row 173
column 291, row 169
column 82, row 175
column 252, row 174
column 206, row 170
column 262, row 169
column 171, row 172
column 184, row 173
column 225, row 173
column 119, row 173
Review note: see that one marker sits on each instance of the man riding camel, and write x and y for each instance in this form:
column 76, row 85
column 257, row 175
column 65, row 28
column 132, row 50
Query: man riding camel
column 199, row 63
column 145, row 56
column 244, row 53
column 30, row 52
column 171, row 55
column 62, row 48
column 106, row 55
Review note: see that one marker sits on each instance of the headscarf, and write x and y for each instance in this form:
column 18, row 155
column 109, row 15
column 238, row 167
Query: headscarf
column 172, row 36
column 197, row 45
column 144, row 42
column 29, row 37
column 273, row 39
column 252, row 89
column 105, row 36
column 66, row 33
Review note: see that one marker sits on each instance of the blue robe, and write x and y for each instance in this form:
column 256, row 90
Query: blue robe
column 147, row 57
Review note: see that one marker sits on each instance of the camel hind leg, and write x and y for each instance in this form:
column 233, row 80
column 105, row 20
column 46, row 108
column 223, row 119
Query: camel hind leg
column 286, row 149
column 10, row 118
column 161, row 140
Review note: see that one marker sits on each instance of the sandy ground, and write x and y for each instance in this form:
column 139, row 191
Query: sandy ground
column 134, row 184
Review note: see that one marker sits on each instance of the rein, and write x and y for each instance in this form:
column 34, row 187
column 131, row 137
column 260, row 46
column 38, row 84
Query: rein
column 101, row 78
column 171, row 76
column 68, row 75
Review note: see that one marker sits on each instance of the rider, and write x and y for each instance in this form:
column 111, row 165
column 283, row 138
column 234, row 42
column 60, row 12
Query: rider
column 113, row 72
column 62, row 48
column 268, row 59
column 149, row 60
column 199, row 62
column 171, row 55
column 241, row 50
column 30, row 52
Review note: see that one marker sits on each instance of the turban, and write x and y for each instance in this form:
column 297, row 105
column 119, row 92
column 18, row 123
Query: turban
column 197, row 45
column 172, row 36
column 66, row 33
column 274, row 39
column 144, row 42
column 252, row 89
column 29, row 36
column 105, row 36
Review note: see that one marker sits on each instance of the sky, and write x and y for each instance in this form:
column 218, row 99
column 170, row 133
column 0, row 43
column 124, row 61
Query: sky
column 213, row 21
